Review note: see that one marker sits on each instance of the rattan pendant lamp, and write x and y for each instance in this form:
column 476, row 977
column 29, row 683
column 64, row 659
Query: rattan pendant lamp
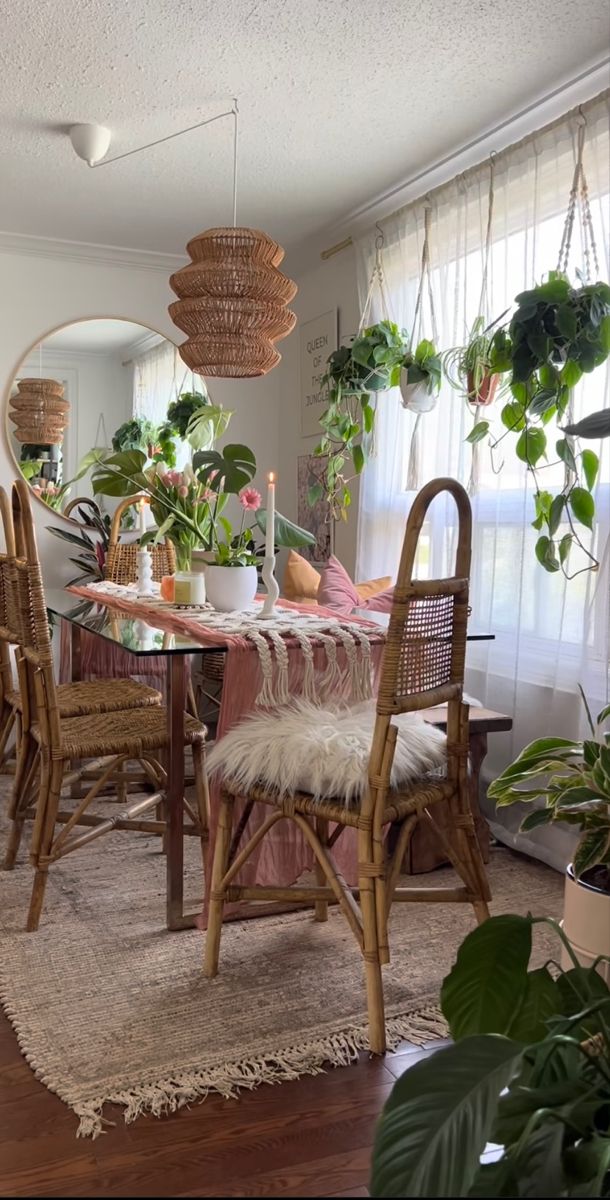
column 39, row 412
column 232, row 298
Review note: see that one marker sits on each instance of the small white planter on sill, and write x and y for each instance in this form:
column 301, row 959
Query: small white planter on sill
column 416, row 396
column 230, row 589
column 586, row 923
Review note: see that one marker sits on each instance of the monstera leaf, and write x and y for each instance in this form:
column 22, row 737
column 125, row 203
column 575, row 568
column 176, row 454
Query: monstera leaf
column 206, row 425
column 227, row 470
column 286, row 532
column 120, row 474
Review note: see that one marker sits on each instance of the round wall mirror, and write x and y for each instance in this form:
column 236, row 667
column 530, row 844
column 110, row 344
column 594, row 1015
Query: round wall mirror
column 92, row 384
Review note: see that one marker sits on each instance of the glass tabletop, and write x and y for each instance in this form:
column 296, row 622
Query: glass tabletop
column 142, row 638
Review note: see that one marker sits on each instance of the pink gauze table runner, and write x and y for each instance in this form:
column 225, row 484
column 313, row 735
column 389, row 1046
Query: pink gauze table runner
column 339, row 660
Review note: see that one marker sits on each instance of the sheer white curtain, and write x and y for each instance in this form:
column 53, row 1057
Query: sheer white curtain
column 159, row 376
column 549, row 634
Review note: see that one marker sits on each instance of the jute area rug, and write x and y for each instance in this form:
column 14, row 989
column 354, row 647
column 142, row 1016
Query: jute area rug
column 110, row 1007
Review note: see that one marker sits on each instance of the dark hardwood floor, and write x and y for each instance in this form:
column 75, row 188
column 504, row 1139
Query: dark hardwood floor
column 311, row 1137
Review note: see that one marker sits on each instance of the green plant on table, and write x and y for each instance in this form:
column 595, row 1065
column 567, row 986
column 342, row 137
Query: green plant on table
column 529, row 1072
column 355, row 375
column 573, row 779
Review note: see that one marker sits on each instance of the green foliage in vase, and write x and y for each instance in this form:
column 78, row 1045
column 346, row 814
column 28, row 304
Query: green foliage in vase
column 529, row 1072
column 424, row 365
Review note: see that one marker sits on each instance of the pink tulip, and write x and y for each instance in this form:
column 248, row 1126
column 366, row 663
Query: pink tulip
column 183, row 491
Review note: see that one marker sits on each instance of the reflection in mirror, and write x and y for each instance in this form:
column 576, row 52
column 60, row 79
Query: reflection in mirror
column 96, row 384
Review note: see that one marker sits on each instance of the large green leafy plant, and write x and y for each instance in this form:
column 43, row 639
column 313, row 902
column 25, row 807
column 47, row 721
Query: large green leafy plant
column 529, row 1072
column 573, row 779
column 556, row 334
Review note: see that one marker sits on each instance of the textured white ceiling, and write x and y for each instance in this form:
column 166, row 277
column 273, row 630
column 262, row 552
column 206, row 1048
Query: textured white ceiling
column 339, row 99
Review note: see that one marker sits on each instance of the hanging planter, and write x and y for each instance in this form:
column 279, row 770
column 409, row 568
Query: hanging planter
column 39, row 411
column 416, row 397
column 482, row 393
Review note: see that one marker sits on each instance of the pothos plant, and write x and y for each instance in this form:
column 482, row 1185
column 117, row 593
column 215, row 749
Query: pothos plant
column 557, row 334
column 355, row 374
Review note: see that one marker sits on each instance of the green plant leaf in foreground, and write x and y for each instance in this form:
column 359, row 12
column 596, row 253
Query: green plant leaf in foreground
column 485, row 986
column 439, row 1117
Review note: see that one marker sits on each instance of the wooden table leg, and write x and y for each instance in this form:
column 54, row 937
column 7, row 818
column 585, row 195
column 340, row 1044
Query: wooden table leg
column 176, row 698
column 425, row 852
column 478, row 752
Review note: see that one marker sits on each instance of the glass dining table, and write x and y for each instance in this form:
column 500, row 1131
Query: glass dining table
column 142, row 639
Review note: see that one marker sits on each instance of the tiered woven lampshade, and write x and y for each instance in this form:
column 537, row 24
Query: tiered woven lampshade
column 232, row 303
column 39, row 411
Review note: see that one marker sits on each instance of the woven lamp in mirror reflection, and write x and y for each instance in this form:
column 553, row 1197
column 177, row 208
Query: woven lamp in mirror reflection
column 39, row 411
column 232, row 299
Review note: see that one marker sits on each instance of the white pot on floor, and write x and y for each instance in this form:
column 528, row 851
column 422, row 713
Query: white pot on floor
column 231, row 589
column 586, row 923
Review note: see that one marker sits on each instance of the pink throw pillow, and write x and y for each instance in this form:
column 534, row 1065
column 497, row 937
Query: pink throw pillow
column 338, row 593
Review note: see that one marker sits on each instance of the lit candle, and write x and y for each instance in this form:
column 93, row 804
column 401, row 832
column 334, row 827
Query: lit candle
column 142, row 510
column 270, row 531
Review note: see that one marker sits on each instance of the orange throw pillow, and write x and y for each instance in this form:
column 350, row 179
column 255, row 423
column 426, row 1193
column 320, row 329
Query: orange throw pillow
column 301, row 582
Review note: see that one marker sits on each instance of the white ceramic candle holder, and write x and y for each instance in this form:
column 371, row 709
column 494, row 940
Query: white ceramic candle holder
column 145, row 572
column 271, row 584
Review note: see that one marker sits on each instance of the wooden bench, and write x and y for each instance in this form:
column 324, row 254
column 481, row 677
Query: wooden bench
column 424, row 853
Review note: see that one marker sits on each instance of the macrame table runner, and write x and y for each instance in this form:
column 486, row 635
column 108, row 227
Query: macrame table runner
column 295, row 654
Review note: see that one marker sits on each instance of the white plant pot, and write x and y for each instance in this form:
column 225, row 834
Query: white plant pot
column 415, row 396
column 231, row 589
column 586, row 924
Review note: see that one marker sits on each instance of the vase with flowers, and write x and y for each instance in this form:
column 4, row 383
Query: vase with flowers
column 232, row 575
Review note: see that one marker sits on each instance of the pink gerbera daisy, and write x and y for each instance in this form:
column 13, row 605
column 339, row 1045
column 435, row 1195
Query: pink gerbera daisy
column 250, row 499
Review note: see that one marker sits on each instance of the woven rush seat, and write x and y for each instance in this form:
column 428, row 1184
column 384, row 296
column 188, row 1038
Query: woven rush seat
column 112, row 733
column 97, row 696
column 398, row 804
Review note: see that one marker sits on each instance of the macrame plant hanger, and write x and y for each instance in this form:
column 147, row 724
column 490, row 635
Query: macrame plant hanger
column 377, row 280
column 578, row 200
column 413, row 471
column 101, row 443
column 484, row 308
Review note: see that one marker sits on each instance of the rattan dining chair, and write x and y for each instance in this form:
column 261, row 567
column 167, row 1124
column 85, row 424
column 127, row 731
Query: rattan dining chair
column 73, row 699
column 423, row 665
column 100, row 740
column 122, row 557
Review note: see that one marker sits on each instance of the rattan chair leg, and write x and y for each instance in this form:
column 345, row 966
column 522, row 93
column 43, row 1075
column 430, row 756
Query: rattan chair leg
column 217, row 891
column 25, row 778
column 7, row 724
column 203, row 799
column 372, row 965
column 321, row 907
column 50, row 802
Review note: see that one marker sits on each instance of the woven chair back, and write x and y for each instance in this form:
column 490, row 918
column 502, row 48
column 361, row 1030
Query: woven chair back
column 425, row 648
column 122, row 557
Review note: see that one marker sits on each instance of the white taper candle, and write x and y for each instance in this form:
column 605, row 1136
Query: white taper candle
column 270, row 531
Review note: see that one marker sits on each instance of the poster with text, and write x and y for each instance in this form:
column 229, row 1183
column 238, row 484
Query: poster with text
column 318, row 340
column 313, row 519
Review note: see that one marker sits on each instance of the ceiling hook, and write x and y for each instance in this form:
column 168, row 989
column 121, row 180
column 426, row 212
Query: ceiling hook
column 380, row 239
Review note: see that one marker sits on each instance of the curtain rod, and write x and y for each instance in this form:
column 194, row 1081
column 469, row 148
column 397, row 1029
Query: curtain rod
column 442, row 162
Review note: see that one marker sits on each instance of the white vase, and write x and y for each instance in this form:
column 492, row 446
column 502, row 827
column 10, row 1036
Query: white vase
column 586, row 923
column 415, row 396
column 230, row 589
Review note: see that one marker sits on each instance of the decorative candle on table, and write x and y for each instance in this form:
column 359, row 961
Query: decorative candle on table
column 144, row 557
column 142, row 512
column 269, row 579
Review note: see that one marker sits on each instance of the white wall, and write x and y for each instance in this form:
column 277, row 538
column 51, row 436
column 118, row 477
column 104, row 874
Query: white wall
column 42, row 290
column 329, row 284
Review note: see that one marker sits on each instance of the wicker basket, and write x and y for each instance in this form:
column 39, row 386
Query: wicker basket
column 232, row 303
column 39, row 412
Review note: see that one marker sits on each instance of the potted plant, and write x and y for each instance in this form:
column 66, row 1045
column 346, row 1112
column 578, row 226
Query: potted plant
column 355, row 373
column 475, row 368
column 420, row 377
column 573, row 780
column 529, row 1072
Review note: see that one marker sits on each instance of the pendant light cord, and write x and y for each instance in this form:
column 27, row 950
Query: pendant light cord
column 231, row 112
column 235, row 111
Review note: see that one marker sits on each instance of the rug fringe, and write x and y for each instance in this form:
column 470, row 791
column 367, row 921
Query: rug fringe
column 309, row 1058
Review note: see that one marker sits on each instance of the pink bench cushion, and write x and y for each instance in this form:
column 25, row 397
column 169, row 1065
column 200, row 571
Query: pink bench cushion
column 338, row 593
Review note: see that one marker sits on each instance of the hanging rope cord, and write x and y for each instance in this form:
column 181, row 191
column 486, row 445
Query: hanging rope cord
column 377, row 279
column 484, row 307
column 579, row 197
column 425, row 282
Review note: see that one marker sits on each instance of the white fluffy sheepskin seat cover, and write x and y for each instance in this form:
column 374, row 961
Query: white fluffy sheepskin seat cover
column 322, row 751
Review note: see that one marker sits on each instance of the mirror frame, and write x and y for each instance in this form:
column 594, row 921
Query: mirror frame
column 9, row 386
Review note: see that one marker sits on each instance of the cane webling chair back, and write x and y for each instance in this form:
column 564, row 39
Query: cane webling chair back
column 122, row 557
column 423, row 666
column 103, row 741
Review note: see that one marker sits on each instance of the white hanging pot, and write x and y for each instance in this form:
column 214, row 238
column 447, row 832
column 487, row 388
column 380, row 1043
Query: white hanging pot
column 230, row 589
column 415, row 396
